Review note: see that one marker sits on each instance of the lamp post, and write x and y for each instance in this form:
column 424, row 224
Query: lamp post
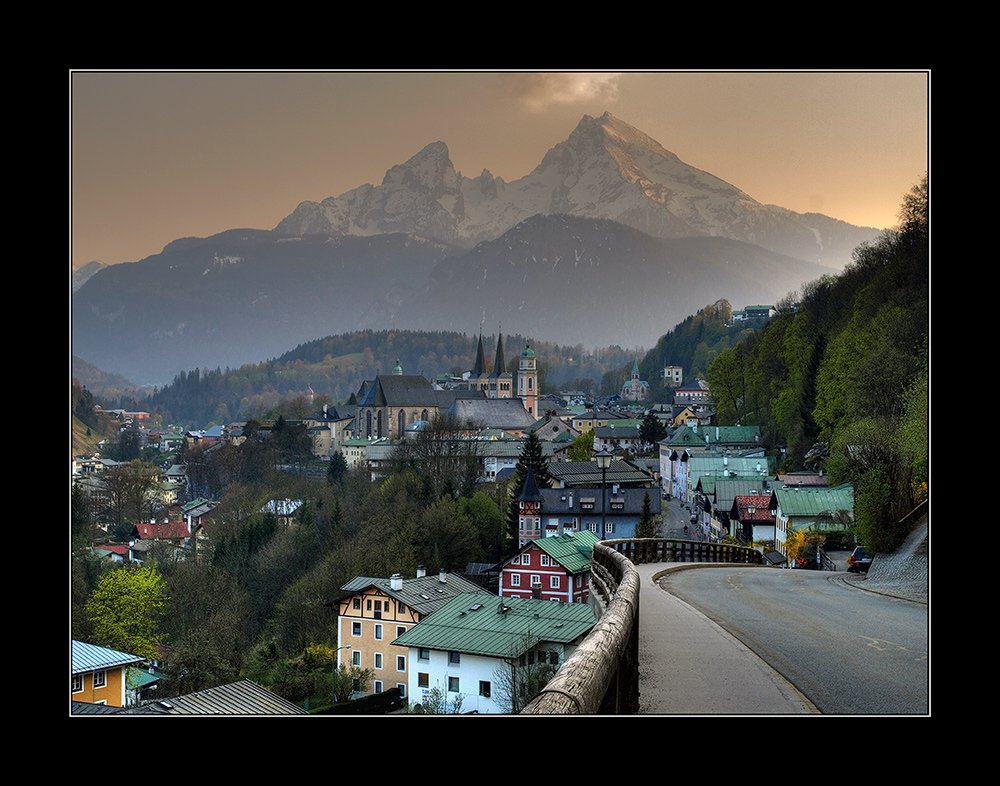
column 603, row 458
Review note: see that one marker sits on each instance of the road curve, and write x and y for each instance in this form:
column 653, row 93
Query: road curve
column 688, row 665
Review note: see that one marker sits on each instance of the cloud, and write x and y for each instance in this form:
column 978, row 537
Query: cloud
column 538, row 91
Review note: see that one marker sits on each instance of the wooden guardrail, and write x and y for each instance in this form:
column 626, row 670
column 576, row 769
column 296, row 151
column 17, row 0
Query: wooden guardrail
column 602, row 676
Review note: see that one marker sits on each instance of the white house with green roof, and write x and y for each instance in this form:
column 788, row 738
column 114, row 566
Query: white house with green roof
column 476, row 647
column 812, row 509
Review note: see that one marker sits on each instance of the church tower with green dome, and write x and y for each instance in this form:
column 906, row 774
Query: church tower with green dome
column 527, row 381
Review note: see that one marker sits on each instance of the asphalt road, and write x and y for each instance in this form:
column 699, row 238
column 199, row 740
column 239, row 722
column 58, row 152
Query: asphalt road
column 850, row 652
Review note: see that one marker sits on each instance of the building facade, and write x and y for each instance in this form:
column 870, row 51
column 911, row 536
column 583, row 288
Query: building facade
column 373, row 612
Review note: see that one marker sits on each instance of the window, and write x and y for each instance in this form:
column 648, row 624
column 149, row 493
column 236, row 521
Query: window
column 378, row 633
column 402, row 689
column 356, row 658
column 423, row 679
column 77, row 683
column 485, row 689
column 545, row 560
column 535, row 579
column 453, row 684
column 377, row 685
column 100, row 679
column 357, row 604
column 400, row 630
column 400, row 663
column 454, row 658
column 515, row 579
column 355, row 628
column 554, row 582
column 423, row 654
column 378, row 660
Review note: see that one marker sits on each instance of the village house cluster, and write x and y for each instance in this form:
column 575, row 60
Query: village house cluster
column 473, row 637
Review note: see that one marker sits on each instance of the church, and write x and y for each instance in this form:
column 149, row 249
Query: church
column 635, row 389
column 499, row 383
column 392, row 402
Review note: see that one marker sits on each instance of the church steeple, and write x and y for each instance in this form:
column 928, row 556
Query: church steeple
column 480, row 367
column 499, row 365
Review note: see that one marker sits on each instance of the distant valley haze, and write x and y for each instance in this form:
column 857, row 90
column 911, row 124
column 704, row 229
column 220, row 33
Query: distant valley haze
column 607, row 238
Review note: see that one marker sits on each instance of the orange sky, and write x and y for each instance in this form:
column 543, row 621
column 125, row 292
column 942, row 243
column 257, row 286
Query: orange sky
column 161, row 155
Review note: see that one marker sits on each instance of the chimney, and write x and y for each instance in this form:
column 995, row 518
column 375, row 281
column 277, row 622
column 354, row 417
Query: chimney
column 396, row 581
column 421, row 571
column 536, row 591
column 442, row 577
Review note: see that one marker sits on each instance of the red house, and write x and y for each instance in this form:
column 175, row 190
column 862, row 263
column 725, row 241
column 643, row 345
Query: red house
column 752, row 511
column 552, row 568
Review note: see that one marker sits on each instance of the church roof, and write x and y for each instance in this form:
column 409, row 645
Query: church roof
column 400, row 390
column 502, row 413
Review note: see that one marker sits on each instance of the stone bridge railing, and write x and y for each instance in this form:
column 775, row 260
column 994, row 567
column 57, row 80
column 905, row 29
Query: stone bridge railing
column 602, row 676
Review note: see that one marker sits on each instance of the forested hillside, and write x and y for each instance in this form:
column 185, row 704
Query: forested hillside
column 333, row 368
column 843, row 380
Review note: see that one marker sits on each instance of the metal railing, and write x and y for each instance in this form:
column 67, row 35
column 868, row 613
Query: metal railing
column 602, row 675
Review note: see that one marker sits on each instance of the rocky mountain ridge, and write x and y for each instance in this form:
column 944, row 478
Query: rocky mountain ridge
column 605, row 169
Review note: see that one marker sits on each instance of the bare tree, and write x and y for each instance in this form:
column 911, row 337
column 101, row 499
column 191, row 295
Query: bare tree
column 446, row 454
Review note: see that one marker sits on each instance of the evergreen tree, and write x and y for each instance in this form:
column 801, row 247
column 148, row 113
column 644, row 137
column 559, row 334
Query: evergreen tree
column 646, row 526
column 531, row 456
column 652, row 429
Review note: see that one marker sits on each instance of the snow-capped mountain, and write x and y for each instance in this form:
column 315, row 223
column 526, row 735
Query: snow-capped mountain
column 606, row 169
column 611, row 239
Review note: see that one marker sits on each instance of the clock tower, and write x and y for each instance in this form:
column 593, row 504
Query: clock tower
column 527, row 381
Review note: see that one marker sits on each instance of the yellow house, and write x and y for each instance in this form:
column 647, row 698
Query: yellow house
column 376, row 611
column 100, row 674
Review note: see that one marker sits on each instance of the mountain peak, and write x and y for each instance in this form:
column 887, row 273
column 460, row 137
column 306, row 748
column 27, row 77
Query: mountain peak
column 604, row 169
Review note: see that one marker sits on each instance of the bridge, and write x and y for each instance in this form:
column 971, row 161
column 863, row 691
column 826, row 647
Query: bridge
column 650, row 653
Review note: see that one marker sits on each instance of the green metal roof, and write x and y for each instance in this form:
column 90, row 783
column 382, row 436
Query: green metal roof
column 815, row 502
column 712, row 435
column 484, row 624
column 573, row 550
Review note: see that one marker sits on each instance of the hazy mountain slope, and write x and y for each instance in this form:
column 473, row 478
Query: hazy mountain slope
column 573, row 280
column 237, row 297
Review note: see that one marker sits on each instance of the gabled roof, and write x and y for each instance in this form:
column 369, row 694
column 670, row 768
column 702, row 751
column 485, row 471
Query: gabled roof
column 587, row 473
column 716, row 435
column 424, row 594
column 746, row 467
column 167, row 530
column 815, row 502
column 761, row 504
column 573, row 550
column 727, row 489
column 90, row 657
column 396, row 390
column 484, row 624
column 237, row 698
column 503, row 413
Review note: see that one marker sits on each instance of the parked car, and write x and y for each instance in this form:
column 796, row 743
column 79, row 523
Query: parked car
column 859, row 561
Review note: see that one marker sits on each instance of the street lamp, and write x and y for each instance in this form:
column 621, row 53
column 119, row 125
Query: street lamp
column 603, row 458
